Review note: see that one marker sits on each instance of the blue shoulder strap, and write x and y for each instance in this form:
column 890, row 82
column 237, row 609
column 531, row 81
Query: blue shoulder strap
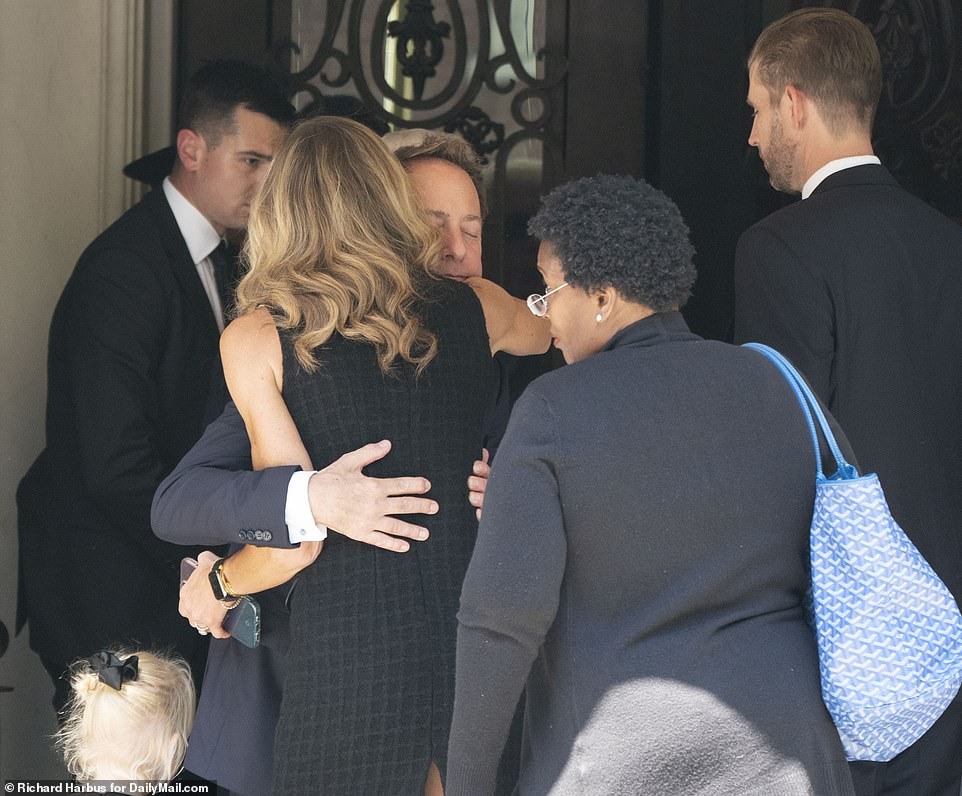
column 810, row 406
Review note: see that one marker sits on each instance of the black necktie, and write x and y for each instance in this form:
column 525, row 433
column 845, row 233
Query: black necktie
column 224, row 262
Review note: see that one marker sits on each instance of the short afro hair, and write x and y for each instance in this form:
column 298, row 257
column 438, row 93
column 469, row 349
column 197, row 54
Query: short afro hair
column 620, row 232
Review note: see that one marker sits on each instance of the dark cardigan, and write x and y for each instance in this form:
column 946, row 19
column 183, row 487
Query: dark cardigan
column 640, row 568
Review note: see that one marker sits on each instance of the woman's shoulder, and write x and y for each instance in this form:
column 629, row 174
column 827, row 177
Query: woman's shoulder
column 446, row 300
column 251, row 334
column 444, row 289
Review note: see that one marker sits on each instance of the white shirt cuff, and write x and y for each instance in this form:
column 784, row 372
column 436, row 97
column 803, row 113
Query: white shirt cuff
column 297, row 513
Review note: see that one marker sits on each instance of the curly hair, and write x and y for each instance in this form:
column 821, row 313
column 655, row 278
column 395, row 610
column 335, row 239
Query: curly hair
column 337, row 243
column 620, row 232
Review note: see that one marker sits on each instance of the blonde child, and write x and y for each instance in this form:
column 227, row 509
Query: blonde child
column 129, row 716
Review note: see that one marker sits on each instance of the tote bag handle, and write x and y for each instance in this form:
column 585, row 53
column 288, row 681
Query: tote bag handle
column 809, row 405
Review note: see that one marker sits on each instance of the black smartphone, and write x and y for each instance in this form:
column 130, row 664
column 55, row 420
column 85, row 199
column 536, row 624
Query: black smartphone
column 243, row 622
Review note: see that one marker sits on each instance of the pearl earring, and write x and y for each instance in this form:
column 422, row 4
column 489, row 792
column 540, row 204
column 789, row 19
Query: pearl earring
column 599, row 317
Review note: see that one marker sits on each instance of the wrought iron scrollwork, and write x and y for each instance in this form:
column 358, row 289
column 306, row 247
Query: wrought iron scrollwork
column 477, row 128
column 447, row 49
column 919, row 128
column 420, row 42
column 901, row 37
column 943, row 142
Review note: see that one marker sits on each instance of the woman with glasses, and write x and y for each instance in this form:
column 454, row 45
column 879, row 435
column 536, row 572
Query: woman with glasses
column 641, row 560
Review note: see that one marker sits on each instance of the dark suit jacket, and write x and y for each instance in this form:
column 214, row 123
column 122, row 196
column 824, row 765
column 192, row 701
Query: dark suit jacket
column 133, row 375
column 212, row 496
column 860, row 285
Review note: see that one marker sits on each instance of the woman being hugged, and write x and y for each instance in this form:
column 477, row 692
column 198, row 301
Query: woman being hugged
column 345, row 337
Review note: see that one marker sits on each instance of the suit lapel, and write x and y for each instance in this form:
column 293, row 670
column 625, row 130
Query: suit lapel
column 181, row 263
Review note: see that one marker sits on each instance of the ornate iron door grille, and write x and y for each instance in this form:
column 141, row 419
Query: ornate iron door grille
column 492, row 71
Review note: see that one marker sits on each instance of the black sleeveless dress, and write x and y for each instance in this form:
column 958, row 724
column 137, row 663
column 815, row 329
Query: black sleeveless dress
column 370, row 681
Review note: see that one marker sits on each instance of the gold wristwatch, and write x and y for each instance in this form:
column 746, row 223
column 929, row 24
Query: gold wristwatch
column 219, row 583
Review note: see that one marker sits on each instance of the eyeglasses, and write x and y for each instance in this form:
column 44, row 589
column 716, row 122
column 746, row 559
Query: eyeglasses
column 538, row 304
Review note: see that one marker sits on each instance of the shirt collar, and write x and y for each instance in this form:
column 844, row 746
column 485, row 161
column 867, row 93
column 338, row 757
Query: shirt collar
column 834, row 166
column 199, row 234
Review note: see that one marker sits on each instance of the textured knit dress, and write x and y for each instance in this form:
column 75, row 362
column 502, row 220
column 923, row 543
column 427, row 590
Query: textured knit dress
column 368, row 696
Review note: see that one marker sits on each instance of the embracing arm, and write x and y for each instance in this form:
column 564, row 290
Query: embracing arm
column 510, row 596
column 213, row 497
column 511, row 326
column 251, row 353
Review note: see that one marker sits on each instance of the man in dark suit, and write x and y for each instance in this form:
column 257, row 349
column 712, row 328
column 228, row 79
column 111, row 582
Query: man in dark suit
column 860, row 285
column 133, row 377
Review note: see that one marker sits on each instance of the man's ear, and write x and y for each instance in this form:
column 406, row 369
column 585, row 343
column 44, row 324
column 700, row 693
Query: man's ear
column 798, row 105
column 191, row 149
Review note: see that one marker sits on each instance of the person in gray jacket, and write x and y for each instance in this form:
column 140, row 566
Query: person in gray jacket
column 641, row 561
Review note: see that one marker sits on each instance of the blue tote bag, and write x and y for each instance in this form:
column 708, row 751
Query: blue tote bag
column 889, row 631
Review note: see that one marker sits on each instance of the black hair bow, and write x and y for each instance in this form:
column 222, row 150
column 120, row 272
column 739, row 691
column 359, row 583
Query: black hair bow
column 112, row 671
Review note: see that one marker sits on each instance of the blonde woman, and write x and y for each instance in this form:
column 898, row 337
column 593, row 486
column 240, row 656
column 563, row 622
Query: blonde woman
column 346, row 336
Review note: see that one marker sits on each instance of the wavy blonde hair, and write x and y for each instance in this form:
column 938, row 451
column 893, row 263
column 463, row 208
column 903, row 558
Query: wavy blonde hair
column 138, row 732
column 337, row 243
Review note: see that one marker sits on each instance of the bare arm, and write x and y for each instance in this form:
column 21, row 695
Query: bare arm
column 253, row 368
column 511, row 326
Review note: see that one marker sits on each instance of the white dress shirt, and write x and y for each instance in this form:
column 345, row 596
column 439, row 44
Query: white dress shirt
column 201, row 239
column 834, row 166
column 298, row 515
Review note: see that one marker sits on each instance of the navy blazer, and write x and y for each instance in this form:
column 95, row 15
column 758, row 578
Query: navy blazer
column 860, row 286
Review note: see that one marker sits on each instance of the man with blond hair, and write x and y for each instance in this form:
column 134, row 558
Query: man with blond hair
column 860, row 285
